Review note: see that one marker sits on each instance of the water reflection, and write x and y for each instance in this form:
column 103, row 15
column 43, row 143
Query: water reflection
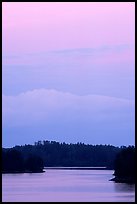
column 122, row 187
column 65, row 186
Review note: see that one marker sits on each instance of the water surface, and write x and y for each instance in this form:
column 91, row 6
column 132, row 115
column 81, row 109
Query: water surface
column 65, row 185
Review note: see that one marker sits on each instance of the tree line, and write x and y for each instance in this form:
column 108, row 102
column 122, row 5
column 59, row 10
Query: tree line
column 55, row 154
column 33, row 158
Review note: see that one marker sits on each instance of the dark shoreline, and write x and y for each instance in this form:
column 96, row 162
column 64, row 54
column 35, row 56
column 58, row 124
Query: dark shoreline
column 17, row 172
column 77, row 168
column 123, row 180
column 57, row 168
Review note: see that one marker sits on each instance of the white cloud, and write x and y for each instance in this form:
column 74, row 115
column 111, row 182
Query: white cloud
column 59, row 114
column 43, row 104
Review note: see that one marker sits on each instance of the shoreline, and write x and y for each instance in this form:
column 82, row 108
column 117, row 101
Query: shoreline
column 77, row 168
column 128, row 180
column 23, row 172
column 57, row 168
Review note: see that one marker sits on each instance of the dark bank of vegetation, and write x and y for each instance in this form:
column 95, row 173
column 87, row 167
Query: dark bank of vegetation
column 33, row 158
column 124, row 166
column 14, row 162
column 55, row 154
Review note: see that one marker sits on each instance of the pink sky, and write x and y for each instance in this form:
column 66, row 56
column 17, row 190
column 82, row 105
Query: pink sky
column 34, row 27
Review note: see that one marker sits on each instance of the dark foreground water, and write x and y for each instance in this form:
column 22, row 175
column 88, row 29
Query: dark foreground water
column 65, row 185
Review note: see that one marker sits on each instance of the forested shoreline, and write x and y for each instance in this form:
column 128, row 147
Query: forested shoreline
column 14, row 162
column 124, row 166
column 33, row 158
column 55, row 154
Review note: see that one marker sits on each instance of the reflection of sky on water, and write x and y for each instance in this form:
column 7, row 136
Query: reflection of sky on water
column 65, row 185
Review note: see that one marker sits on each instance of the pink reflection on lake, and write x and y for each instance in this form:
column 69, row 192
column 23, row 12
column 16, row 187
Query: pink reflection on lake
column 65, row 185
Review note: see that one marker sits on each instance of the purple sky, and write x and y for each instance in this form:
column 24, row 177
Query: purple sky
column 68, row 72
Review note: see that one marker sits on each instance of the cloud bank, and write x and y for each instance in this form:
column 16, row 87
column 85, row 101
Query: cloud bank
column 50, row 114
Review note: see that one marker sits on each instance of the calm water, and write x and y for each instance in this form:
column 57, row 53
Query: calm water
column 65, row 185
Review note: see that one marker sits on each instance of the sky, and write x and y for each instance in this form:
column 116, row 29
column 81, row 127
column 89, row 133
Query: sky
column 68, row 72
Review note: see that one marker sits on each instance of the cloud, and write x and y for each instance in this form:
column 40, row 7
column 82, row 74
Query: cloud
column 94, row 53
column 105, row 70
column 67, row 116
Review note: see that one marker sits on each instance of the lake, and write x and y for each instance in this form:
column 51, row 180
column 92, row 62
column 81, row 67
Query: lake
column 65, row 185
